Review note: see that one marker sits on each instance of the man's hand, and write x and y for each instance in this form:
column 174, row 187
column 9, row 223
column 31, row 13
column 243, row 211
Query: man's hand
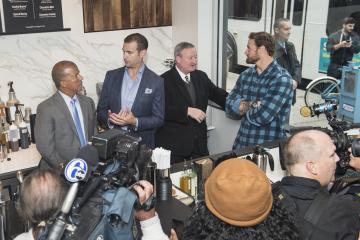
column 343, row 44
column 294, row 84
column 244, row 107
column 173, row 235
column 144, row 191
column 196, row 114
column 124, row 117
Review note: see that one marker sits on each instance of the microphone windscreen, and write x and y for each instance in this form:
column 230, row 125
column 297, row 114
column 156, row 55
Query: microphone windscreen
column 90, row 155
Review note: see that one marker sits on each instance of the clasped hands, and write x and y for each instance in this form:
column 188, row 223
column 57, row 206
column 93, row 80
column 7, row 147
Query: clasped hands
column 123, row 118
column 246, row 105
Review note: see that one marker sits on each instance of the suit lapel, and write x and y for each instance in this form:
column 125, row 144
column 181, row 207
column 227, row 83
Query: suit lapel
column 141, row 89
column 62, row 107
column 119, row 76
column 181, row 86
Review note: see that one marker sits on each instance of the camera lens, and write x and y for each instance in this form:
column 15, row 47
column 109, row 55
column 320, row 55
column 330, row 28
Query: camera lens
column 355, row 147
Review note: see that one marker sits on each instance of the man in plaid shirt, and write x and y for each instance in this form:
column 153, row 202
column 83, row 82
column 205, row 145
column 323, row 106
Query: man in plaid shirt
column 262, row 95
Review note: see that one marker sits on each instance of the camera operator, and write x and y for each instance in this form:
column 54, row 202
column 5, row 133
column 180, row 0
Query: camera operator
column 43, row 192
column 310, row 159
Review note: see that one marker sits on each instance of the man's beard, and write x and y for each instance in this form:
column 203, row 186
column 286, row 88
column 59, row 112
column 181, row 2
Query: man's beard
column 252, row 60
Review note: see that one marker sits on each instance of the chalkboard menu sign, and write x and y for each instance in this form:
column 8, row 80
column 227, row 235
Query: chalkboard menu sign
column 24, row 16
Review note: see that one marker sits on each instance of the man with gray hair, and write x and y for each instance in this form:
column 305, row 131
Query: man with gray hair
column 187, row 91
column 285, row 54
column 310, row 159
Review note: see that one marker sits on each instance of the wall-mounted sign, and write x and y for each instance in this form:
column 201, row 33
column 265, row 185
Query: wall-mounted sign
column 24, row 16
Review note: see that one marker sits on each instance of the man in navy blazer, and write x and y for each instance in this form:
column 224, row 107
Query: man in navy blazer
column 187, row 91
column 132, row 97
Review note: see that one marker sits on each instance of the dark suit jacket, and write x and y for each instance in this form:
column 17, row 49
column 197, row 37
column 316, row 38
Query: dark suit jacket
column 56, row 136
column 289, row 61
column 148, row 106
column 180, row 131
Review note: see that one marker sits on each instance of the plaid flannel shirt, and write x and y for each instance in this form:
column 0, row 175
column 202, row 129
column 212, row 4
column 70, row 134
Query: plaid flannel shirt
column 265, row 122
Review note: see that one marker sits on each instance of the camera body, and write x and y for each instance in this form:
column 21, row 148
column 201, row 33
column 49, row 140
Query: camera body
column 124, row 160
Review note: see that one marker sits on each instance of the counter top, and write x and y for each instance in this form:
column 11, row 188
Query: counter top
column 20, row 160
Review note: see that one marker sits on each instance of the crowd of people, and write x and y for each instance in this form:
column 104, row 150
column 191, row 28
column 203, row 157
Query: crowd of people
column 169, row 111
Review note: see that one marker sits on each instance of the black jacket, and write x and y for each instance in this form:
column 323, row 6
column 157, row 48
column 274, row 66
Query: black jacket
column 340, row 220
column 341, row 56
column 287, row 59
column 180, row 131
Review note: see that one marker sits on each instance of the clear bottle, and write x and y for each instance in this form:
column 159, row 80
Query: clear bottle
column 194, row 180
column 185, row 179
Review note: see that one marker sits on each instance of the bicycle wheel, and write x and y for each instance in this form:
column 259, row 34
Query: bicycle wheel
column 324, row 90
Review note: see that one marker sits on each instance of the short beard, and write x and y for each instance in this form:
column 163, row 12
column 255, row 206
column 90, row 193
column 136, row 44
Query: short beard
column 252, row 61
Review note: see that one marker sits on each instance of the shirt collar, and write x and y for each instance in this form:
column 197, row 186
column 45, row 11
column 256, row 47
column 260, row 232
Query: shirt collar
column 66, row 98
column 182, row 75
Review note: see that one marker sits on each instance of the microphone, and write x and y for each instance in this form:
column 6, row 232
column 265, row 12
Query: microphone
column 317, row 109
column 91, row 155
column 76, row 170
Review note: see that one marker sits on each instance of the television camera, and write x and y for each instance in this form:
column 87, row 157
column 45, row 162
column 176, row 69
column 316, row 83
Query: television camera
column 122, row 163
column 340, row 138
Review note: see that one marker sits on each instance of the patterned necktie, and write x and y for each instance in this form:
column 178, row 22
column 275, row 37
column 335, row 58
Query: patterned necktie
column 77, row 122
column 187, row 80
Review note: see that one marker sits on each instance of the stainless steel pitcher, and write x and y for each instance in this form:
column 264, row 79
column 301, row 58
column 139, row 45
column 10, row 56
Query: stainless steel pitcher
column 261, row 157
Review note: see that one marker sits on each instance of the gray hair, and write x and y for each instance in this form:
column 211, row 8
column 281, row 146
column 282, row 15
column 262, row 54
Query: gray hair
column 278, row 22
column 181, row 46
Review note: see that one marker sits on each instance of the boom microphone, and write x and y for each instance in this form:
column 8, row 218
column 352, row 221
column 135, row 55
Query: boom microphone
column 76, row 170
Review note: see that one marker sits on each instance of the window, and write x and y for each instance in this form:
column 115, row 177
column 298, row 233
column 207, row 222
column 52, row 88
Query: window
column 245, row 9
column 298, row 12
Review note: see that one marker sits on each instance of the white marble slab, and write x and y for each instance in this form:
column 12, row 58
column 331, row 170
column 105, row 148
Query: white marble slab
column 27, row 59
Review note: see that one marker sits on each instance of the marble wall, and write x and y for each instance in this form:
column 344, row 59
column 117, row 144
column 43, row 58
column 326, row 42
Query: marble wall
column 27, row 59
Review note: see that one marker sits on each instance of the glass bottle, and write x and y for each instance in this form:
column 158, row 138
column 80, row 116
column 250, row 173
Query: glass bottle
column 185, row 179
column 194, row 181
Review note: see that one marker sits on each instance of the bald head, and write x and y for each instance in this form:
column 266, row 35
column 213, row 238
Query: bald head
column 311, row 154
column 303, row 146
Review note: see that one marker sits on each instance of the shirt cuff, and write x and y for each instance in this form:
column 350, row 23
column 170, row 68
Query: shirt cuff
column 151, row 229
column 110, row 125
column 235, row 106
column 250, row 121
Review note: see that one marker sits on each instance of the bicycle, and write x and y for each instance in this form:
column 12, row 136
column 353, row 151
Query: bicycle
column 321, row 90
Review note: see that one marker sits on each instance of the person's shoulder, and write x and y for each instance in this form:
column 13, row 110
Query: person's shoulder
column 281, row 73
column 85, row 98
column 49, row 101
column 169, row 74
column 116, row 70
column 151, row 74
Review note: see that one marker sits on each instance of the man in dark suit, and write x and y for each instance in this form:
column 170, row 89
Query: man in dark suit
column 66, row 121
column 132, row 97
column 187, row 91
column 285, row 53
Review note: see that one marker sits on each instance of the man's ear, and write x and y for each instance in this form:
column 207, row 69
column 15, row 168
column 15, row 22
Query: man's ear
column 311, row 167
column 276, row 30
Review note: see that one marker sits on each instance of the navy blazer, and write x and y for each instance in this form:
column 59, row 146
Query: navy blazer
column 148, row 107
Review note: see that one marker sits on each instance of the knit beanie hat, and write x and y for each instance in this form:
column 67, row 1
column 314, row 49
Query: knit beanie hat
column 239, row 193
